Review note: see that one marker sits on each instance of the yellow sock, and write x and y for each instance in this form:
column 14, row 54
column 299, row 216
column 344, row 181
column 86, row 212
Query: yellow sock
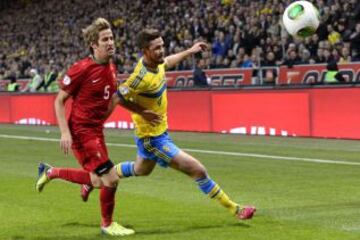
column 218, row 194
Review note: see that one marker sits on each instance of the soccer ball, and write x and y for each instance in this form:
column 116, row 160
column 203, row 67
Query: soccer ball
column 301, row 19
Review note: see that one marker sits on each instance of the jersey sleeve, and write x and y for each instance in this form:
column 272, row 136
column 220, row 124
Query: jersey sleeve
column 133, row 86
column 72, row 79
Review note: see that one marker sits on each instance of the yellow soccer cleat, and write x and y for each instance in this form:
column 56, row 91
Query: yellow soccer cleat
column 115, row 229
column 43, row 179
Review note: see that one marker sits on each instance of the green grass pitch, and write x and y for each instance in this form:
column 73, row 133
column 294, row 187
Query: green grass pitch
column 296, row 197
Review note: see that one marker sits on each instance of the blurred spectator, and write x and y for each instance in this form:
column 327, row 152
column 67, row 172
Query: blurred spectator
column 319, row 58
column 327, row 56
column 35, row 82
column 334, row 37
column 269, row 74
column 33, row 32
column 306, row 57
column 199, row 75
column 332, row 74
column 345, row 56
column 50, row 84
column 355, row 42
column 292, row 59
column 220, row 47
column 335, row 55
column 13, row 86
column 249, row 62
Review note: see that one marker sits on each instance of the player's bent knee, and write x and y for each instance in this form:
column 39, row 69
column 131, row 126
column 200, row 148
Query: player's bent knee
column 95, row 180
column 111, row 183
column 143, row 172
column 107, row 175
column 111, row 179
column 199, row 172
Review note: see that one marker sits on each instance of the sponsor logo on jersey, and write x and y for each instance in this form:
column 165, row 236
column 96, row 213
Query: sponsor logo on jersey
column 66, row 80
column 124, row 90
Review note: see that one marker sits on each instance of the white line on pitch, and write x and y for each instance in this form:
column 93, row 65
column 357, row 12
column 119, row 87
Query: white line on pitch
column 312, row 160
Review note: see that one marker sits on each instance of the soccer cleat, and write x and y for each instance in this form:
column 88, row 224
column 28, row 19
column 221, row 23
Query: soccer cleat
column 43, row 179
column 115, row 229
column 246, row 212
column 85, row 191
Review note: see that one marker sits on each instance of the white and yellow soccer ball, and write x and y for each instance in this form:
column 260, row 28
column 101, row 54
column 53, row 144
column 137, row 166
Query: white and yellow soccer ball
column 301, row 19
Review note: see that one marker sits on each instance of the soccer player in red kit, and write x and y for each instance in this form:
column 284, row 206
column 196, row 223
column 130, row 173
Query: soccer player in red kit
column 91, row 83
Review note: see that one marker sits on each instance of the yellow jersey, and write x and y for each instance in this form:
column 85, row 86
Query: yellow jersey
column 147, row 89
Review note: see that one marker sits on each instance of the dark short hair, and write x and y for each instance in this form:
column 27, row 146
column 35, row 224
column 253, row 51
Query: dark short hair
column 146, row 36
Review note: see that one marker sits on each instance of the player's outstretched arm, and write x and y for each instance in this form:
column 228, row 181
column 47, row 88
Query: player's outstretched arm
column 173, row 60
column 66, row 139
column 149, row 115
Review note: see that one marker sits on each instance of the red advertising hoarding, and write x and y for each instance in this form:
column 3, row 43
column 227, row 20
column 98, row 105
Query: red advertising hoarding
column 317, row 112
column 262, row 113
column 32, row 109
column 5, row 109
column 190, row 110
column 335, row 113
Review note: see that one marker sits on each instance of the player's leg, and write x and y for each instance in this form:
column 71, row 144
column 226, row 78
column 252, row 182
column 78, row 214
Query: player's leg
column 75, row 175
column 110, row 180
column 144, row 163
column 46, row 173
column 189, row 165
column 102, row 167
column 141, row 167
column 107, row 173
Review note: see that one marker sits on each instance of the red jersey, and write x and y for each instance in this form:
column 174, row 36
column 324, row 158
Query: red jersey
column 91, row 86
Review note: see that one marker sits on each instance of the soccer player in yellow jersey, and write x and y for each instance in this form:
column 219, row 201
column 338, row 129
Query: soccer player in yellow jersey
column 146, row 88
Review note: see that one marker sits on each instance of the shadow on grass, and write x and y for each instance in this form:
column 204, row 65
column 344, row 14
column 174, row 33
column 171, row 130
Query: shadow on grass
column 190, row 229
column 138, row 232
column 58, row 237
column 54, row 237
column 76, row 224
column 318, row 207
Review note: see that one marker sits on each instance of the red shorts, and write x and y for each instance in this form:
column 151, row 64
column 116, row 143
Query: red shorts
column 91, row 153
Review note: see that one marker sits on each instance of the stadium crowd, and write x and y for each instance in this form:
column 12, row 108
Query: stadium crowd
column 46, row 34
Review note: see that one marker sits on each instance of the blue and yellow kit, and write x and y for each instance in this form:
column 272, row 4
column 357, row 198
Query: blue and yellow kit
column 148, row 89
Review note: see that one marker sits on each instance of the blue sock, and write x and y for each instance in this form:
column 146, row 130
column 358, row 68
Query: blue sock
column 210, row 188
column 205, row 184
column 125, row 169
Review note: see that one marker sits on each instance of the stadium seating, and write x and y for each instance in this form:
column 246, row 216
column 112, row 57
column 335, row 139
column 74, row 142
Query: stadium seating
column 36, row 34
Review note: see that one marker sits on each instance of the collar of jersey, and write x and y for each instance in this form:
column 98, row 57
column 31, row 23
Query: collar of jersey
column 149, row 69
column 97, row 61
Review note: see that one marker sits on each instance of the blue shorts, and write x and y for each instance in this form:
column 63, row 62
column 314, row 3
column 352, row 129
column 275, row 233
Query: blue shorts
column 160, row 148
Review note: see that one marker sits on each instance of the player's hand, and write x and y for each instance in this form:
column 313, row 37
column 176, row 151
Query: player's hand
column 199, row 46
column 151, row 117
column 65, row 143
